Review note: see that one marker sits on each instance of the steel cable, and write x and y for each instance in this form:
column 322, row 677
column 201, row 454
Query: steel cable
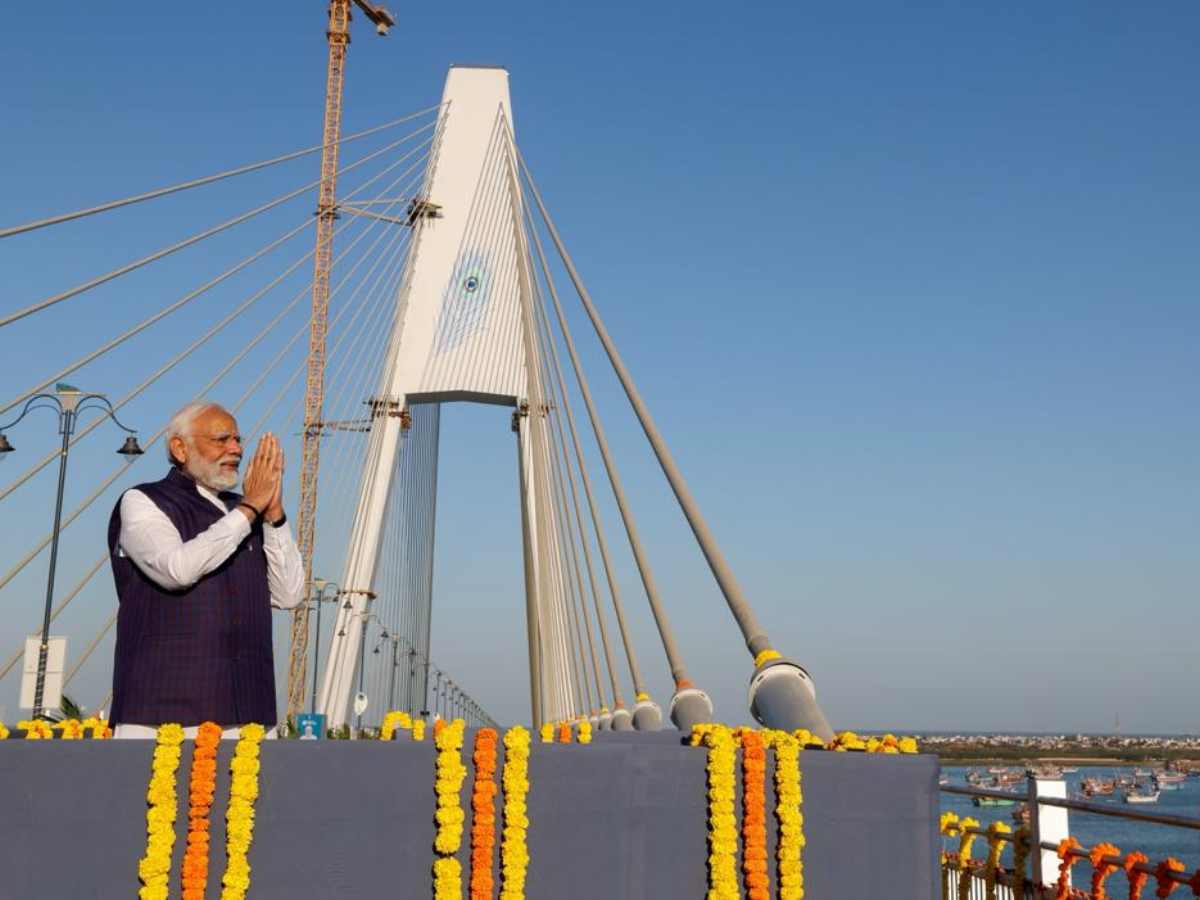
column 187, row 242
column 208, row 179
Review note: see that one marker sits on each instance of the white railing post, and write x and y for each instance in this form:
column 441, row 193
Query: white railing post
column 1047, row 824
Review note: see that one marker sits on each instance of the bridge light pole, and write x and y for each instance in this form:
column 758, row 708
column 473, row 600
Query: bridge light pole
column 69, row 402
column 320, row 584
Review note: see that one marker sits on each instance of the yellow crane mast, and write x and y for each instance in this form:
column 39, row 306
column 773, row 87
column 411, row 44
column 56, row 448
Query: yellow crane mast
column 338, row 35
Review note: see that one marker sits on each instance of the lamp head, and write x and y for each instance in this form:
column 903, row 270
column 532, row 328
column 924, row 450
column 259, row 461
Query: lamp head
column 131, row 447
column 5, row 446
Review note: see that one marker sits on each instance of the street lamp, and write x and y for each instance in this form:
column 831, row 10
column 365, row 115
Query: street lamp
column 320, row 584
column 362, row 647
column 69, row 402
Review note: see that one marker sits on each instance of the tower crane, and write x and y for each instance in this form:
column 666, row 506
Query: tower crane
column 338, row 34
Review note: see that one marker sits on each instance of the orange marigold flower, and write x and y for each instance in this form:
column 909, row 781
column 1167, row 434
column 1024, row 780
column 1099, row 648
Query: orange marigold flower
column 1162, row 874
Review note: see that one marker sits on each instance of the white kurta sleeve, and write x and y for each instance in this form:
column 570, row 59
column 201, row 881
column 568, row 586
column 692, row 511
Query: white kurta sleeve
column 285, row 568
column 151, row 540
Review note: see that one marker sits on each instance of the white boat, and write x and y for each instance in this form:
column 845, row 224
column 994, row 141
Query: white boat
column 1141, row 797
column 1170, row 778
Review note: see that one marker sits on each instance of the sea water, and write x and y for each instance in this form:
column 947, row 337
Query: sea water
column 1156, row 841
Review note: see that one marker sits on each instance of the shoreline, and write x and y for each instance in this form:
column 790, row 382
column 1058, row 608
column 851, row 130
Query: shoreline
column 953, row 760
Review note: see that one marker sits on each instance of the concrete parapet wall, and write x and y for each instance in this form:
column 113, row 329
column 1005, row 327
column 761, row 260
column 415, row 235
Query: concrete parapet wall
column 624, row 817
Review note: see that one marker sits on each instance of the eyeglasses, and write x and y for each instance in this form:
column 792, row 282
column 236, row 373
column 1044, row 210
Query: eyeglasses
column 223, row 439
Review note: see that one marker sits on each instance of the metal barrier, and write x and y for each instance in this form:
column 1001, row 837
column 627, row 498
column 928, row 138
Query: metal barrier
column 1044, row 796
column 978, row 886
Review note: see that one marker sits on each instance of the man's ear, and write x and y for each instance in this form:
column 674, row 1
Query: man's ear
column 178, row 450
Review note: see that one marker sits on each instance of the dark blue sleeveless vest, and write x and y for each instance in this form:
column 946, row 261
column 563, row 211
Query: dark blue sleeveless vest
column 199, row 654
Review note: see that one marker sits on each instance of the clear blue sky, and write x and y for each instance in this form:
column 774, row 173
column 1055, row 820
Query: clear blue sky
column 910, row 288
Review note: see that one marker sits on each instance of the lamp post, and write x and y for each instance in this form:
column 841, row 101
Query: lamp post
column 362, row 656
column 320, row 584
column 412, row 679
column 69, row 402
column 395, row 666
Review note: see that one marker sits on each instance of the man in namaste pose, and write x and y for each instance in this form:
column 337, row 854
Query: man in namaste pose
column 197, row 569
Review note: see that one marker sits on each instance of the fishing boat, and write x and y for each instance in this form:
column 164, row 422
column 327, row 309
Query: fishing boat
column 994, row 801
column 1163, row 778
column 1141, row 796
column 1095, row 787
column 1046, row 772
column 1007, row 779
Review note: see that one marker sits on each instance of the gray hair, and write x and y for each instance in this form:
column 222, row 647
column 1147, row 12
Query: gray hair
column 180, row 425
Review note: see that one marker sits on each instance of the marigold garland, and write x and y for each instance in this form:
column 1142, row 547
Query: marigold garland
column 998, row 834
column 154, row 868
column 845, row 741
column 965, row 839
column 447, row 871
column 948, row 824
column 1162, row 874
column 722, row 824
column 547, row 732
column 1101, row 869
column 514, row 851
column 36, row 729
column 3, row 732
column 239, row 817
column 1062, row 888
column 483, row 814
column 564, row 732
column 754, row 816
column 807, row 740
column 393, row 720
column 418, row 730
column 789, row 802
column 202, row 784
column 70, row 729
column 1137, row 879
column 585, row 732
column 98, row 727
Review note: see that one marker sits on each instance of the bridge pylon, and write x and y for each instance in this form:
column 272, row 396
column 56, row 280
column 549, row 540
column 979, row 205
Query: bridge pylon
column 462, row 331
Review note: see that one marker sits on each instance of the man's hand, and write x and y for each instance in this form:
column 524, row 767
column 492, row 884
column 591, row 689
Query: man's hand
column 274, row 510
column 260, row 484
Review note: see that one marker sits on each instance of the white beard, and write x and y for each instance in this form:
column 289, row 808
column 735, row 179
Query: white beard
column 211, row 475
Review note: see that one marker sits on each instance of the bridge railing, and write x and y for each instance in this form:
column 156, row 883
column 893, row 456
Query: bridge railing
column 1048, row 813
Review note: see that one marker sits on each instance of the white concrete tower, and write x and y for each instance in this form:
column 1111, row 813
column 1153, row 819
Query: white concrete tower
column 462, row 332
